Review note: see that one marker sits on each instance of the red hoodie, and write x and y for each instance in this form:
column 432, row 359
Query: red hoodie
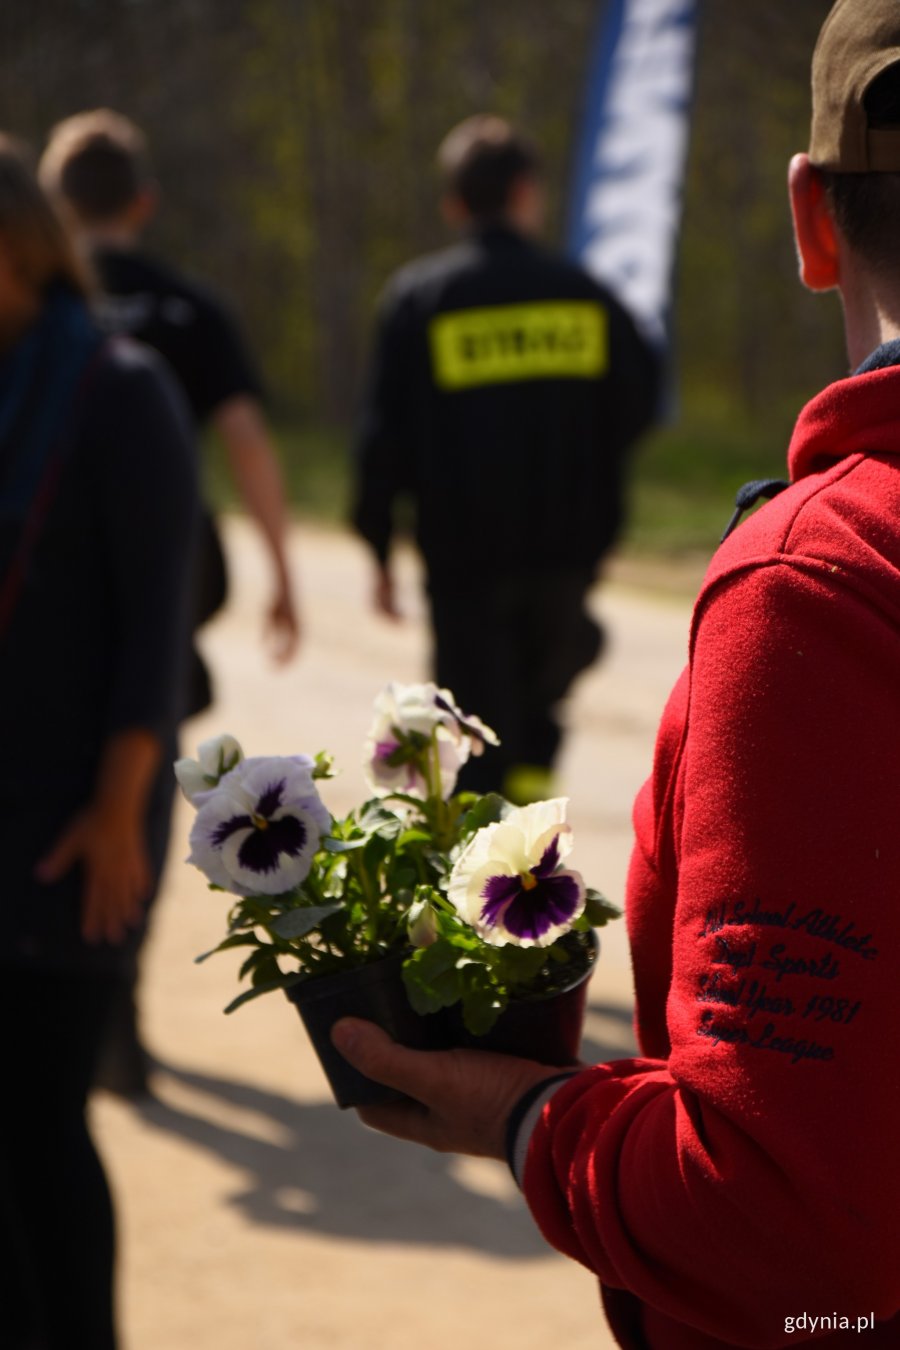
column 747, row 1171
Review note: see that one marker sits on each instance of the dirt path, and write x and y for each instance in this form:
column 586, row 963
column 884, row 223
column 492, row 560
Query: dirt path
column 256, row 1216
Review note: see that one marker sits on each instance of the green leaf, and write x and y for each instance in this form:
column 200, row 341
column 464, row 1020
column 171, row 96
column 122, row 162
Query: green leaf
column 324, row 765
column 400, row 878
column 332, row 845
column 480, row 1012
column 235, row 940
column 376, row 819
column 431, row 978
column 482, row 1001
column 486, row 811
column 520, row 965
column 255, row 959
column 599, row 911
column 284, row 982
column 265, row 970
column 377, row 849
column 414, row 836
column 295, row 923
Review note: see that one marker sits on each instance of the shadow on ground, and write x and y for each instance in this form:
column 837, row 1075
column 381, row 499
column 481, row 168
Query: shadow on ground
column 310, row 1167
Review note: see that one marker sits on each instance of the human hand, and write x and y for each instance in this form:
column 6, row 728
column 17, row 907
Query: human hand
column 462, row 1098
column 283, row 624
column 384, row 594
column 111, row 848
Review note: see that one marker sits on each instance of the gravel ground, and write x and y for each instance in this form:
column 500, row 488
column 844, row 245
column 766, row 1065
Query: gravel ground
column 253, row 1213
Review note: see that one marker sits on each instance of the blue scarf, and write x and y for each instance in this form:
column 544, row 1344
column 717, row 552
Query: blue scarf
column 39, row 380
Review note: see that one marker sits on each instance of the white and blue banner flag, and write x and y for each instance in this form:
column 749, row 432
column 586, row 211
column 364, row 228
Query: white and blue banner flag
column 626, row 201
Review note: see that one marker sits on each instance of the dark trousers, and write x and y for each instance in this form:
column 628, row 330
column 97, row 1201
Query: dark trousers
column 509, row 646
column 56, row 1218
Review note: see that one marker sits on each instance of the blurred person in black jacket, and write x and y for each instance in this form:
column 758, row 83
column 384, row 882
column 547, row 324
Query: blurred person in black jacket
column 506, row 389
column 96, row 166
column 98, row 513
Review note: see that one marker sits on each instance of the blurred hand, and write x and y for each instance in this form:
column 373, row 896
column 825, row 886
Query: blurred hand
column 111, row 848
column 463, row 1098
column 283, row 625
column 384, row 594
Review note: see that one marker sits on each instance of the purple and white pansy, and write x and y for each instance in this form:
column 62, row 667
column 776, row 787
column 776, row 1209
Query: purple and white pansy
column 409, row 720
column 508, row 883
column 258, row 829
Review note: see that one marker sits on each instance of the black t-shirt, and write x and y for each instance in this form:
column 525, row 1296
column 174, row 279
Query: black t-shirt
column 187, row 324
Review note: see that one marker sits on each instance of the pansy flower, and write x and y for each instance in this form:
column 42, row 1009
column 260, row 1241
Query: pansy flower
column 215, row 758
column 257, row 831
column 479, row 735
column 509, row 884
column 399, row 746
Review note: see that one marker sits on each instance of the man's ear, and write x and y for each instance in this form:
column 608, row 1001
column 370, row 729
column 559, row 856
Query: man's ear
column 143, row 207
column 814, row 229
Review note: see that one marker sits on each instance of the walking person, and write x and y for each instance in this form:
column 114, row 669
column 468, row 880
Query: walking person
column 507, row 388
column 96, row 164
column 739, row 1184
column 98, row 512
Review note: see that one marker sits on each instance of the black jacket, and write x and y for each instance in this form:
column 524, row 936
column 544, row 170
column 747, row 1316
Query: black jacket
column 97, row 641
column 506, row 388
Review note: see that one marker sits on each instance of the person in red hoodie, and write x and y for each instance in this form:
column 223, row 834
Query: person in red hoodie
column 739, row 1184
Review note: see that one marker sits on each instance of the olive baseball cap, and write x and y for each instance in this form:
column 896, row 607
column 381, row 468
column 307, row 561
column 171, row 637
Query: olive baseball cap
column 858, row 41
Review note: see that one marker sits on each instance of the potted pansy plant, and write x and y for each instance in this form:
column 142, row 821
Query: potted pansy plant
column 448, row 917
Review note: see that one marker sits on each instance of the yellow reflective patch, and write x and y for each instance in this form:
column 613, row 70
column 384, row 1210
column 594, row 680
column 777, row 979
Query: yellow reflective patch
column 545, row 340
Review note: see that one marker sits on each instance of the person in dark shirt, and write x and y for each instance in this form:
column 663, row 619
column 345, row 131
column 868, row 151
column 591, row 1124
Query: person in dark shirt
column 506, row 389
column 97, row 166
column 98, row 509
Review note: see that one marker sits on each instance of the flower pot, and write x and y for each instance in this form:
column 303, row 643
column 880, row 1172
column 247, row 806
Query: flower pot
column 545, row 1026
column 375, row 993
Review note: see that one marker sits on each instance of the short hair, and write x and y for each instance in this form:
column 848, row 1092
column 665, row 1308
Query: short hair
column 866, row 206
column 480, row 162
column 31, row 233
column 97, row 163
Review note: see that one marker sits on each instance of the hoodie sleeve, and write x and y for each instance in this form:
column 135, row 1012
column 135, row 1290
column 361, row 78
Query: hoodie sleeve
column 755, row 1172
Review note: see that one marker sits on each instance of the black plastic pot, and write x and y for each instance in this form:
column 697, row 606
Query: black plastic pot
column 545, row 1027
column 375, row 993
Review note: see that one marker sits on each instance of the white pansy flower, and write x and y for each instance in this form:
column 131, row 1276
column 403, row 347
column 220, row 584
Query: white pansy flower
column 400, row 745
column 215, row 757
column 508, row 882
column 257, row 831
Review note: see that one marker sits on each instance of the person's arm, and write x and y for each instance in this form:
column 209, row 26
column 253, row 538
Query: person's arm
column 755, row 1172
column 145, row 492
column 254, row 467
column 382, row 448
column 107, row 838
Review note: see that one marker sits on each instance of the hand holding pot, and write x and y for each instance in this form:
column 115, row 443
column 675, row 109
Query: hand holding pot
column 462, row 1098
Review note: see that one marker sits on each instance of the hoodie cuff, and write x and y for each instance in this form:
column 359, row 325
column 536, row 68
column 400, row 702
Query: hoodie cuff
column 524, row 1117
